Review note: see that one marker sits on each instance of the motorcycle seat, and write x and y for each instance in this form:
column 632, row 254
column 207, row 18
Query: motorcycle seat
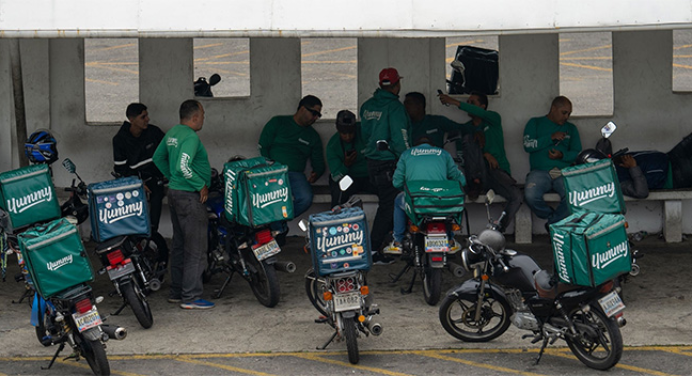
column 110, row 243
column 545, row 286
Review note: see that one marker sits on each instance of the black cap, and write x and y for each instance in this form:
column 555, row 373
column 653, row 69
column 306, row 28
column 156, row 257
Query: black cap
column 346, row 121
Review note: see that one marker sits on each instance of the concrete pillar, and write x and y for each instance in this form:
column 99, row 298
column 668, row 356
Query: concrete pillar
column 672, row 215
column 7, row 128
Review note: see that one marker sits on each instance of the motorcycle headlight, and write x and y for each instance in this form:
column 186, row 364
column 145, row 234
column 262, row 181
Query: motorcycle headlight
column 471, row 257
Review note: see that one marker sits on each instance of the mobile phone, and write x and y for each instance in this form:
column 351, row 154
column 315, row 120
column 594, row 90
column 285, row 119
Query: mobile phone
column 439, row 92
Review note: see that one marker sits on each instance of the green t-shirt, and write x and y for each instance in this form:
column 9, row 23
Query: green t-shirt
column 183, row 160
column 336, row 156
column 435, row 127
column 426, row 162
column 286, row 142
column 383, row 117
column 538, row 142
column 492, row 129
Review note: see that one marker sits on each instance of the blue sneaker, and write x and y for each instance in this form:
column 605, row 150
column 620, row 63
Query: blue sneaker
column 198, row 304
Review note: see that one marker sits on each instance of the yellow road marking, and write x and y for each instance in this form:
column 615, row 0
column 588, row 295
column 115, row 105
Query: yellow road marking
column 587, row 67
column 639, row 370
column 107, row 66
column 682, row 66
column 683, row 46
column 433, row 354
column 222, row 56
column 328, row 62
column 587, row 58
column 101, row 82
column 223, row 63
column 208, row 46
column 186, row 359
column 329, row 51
column 586, row 50
column 464, row 43
column 317, row 358
column 93, row 63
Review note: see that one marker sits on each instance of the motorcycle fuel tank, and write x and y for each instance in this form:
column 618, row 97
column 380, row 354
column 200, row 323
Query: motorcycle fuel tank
column 520, row 274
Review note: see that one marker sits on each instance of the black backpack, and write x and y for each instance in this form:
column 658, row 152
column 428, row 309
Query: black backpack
column 681, row 162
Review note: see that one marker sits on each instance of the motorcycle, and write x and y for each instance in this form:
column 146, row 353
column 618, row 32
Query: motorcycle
column 342, row 297
column 509, row 287
column 131, row 262
column 203, row 87
column 251, row 252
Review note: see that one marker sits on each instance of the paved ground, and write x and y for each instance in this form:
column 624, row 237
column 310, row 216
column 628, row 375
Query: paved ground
column 658, row 313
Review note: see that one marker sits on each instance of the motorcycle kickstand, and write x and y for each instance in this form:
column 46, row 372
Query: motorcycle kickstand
column 410, row 285
column 401, row 273
column 329, row 341
column 55, row 356
column 223, row 286
column 540, row 353
column 121, row 308
column 25, row 295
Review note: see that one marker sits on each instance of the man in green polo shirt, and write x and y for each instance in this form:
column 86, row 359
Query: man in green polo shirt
column 496, row 171
column 182, row 159
column 433, row 127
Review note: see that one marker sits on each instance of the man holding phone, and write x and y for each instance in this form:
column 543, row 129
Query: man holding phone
column 345, row 157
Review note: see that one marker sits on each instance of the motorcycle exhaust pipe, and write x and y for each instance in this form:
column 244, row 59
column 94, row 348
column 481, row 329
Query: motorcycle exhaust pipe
column 456, row 269
column 374, row 328
column 285, row 266
column 114, row 332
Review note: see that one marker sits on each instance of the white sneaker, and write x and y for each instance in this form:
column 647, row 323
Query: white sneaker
column 394, row 248
column 454, row 248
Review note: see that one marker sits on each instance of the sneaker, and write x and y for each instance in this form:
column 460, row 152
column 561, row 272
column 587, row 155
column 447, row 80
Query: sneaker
column 454, row 246
column 379, row 259
column 174, row 300
column 198, row 304
column 394, row 248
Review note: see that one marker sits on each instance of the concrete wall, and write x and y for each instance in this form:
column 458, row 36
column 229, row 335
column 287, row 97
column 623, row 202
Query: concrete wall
column 529, row 79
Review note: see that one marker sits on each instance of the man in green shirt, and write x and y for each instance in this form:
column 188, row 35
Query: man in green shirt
column 291, row 140
column 433, row 127
column 497, row 175
column 553, row 143
column 383, row 118
column 182, row 159
column 345, row 157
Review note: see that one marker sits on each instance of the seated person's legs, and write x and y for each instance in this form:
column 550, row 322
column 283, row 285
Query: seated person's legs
column 302, row 192
column 562, row 210
column 538, row 183
column 506, row 186
column 399, row 225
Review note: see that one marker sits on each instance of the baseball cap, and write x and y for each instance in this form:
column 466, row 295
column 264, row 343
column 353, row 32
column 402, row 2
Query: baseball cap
column 346, row 121
column 389, row 76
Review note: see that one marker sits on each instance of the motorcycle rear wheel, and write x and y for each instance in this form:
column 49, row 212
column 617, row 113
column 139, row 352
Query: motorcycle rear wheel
column 140, row 307
column 95, row 355
column 42, row 327
column 315, row 292
column 601, row 351
column 432, row 285
column 457, row 315
column 264, row 282
column 351, row 340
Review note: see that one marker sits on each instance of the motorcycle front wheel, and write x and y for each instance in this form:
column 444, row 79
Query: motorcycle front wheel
column 315, row 292
column 598, row 342
column 351, row 335
column 458, row 317
column 140, row 307
column 432, row 285
column 95, row 355
column 264, row 282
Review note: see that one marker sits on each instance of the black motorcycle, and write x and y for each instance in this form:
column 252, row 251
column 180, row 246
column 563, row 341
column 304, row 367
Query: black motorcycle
column 250, row 252
column 509, row 287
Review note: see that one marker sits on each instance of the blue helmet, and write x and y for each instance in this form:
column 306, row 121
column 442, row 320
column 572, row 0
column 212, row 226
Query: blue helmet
column 41, row 147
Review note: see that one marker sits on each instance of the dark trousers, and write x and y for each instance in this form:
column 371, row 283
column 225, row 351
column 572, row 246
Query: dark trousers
column 359, row 185
column 188, row 259
column 504, row 185
column 157, row 192
column 381, row 173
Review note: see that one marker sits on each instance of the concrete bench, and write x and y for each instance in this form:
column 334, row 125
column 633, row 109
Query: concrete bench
column 523, row 222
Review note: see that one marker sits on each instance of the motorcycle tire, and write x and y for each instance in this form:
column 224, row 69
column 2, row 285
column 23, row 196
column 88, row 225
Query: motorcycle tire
column 432, row 285
column 138, row 303
column 95, row 354
column 601, row 352
column 264, row 282
column 457, row 317
column 42, row 327
column 315, row 292
column 351, row 334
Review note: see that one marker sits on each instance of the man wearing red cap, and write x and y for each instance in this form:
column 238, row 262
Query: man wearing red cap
column 384, row 118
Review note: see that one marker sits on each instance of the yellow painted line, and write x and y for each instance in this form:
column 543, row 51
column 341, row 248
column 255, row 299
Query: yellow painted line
column 682, row 66
column 116, row 47
column 101, row 82
column 221, row 56
column 106, row 66
column 186, row 359
column 3, row 374
column 435, row 355
column 587, row 58
column 328, row 62
column 683, row 46
column 84, row 365
column 208, row 46
column 223, row 63
column 638, row 370
column 93, row 63
column 682, row 56
column 587, row 67
column 586, row 50
column 464, row 43
column 330, row 51
column 317, row 358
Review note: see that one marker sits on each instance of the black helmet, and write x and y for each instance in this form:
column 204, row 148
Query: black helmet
column 346, row 121
column 589, row 156
column 41, row 147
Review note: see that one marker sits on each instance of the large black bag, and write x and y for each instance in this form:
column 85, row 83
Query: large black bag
column 681, row 162
column 653, row 164
column 480, row 71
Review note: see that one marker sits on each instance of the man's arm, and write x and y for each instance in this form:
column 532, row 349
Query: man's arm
column 453, row 172
column 534, row 141
column 574, row 145
column 317, row 157
column 188, row 152
column 335, row 158
column 400, row 173
column 637, row 186
column 267, row 137
column 399, row 125
column 119, row 158
column 160, row 159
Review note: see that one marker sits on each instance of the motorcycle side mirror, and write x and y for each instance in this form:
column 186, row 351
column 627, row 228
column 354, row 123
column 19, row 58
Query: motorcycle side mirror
column 69, row 166
column 214, row 79
column 303, row 225
column 345, row 183
column 382, row 145
column 490, row 196
column 608, row 129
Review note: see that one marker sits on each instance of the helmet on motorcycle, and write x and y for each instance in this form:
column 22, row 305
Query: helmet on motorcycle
column 41, row 147
column 589, row 156
column 493, row 239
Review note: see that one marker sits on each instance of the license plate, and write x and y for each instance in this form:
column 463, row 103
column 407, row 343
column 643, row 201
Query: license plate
column 611, row 304
column 125, row 269
column 87, row 320
column 346, row 302
column 436, row 244
column 270, row 249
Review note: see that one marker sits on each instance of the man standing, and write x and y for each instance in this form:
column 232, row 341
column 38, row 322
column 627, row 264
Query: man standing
column 291, row 140
column 345, row 157
column 384, row 118
column 183, row 160
column 552, row 143
column 492, row 144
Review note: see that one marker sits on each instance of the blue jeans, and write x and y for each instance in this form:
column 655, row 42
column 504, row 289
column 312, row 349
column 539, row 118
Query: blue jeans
column 538, row 183
column 302, row 192
column 399, row 218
